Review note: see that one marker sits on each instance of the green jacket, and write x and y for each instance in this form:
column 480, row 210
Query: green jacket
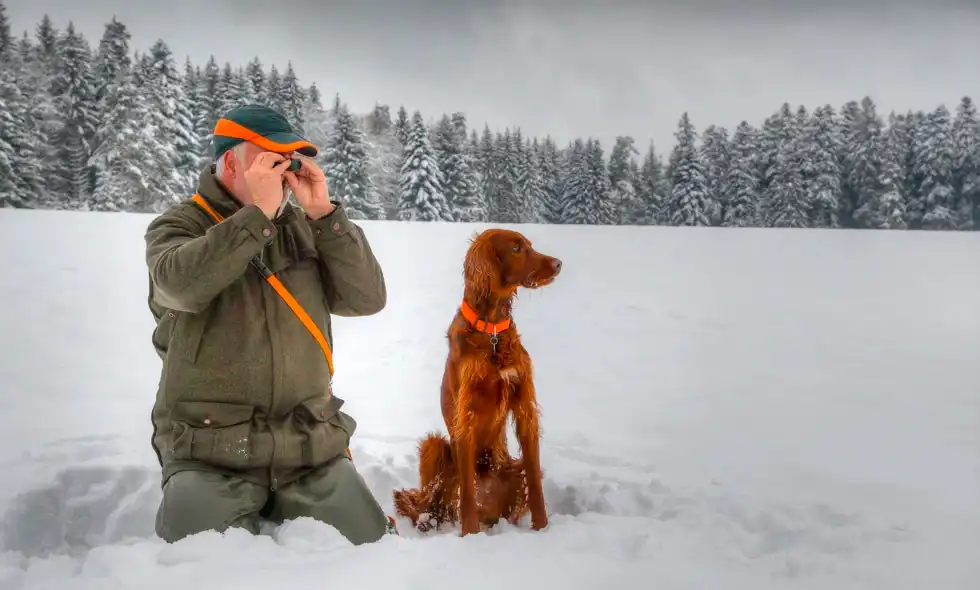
column 244, row 386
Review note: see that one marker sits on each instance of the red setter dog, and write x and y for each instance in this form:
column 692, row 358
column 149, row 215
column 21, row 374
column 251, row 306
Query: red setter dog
column 470, row 476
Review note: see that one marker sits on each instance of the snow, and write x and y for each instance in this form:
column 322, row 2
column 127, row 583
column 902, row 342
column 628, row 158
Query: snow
column 738, row 409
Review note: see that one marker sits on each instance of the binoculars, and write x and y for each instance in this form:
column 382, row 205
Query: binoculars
column 294, row 165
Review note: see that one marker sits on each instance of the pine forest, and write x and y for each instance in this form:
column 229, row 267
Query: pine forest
column 106, row 128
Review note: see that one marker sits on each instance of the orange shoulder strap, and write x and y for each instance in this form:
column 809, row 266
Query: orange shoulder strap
column 279, row 288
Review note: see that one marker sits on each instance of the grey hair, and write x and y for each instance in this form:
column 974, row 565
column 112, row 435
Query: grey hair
column 219, row 165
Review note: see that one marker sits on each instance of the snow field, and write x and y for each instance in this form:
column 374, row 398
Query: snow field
column 721, row 408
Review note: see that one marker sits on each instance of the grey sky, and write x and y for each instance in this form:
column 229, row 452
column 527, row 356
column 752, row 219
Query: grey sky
column 576, row 68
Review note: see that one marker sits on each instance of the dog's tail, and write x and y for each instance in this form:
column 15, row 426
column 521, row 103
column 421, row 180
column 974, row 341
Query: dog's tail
column 435, row 460
column 437, row 483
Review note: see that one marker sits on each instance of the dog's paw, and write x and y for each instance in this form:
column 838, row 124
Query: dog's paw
column 539, row 522
column 426, row 522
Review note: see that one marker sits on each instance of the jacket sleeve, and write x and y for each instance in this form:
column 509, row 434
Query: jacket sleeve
column 187, row 269
column 353, row 282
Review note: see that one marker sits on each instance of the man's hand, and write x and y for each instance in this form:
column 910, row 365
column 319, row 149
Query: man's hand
column 264, row 180
column 310, row 187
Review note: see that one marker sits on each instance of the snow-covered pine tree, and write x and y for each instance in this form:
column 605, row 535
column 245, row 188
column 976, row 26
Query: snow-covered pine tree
column 461, row 128
column 821, row 172
column 175, row 161
column 319, row 122
column 891, row 213
column 73, row 90
column 385, row 158
column 255, row 74
column 966, row 165
column 912, row 127
column 586, row 195
column 291, row 98
column 25, row 103
column 767, row 140
column 6, row 37
column 509, row 153
column 472, row 150
column 312, row 96
column 346, row 165
column 688, row 203
column 934, row 164
column 197, row 108
column 20, row 180
column 420, row 179
column 491, row 174
column 459, row 186
column 379, row 120
column 131, row 154
column 623, row 182
column 469, row 199
column 549, row 160
column 850, row 122
column 111, row 62
column 41, row 62
column 403, row 127
column 473, row 147
column 9, row 197
column 141, row 68
column 652, row 188
column 600, row 189
column 441, row 138
column 777, row 131
column 716, row 158
column 241, row 81
column 273, row 90
column 787, row 203
column 864, row 165
column 46, row 35
column 743, row 208
column 533, row 184
column 575, row 185
column 232, row 89
column 211, row 99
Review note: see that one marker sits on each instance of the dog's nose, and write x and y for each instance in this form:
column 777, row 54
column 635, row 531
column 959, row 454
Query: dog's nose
column 556, row 265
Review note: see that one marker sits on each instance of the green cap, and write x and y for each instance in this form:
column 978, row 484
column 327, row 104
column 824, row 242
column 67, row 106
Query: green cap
column 261, row 125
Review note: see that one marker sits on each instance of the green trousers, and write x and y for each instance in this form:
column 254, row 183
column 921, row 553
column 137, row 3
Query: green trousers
column 197, row 501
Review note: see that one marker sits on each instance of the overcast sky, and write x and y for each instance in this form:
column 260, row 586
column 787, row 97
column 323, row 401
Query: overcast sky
column 577, row 68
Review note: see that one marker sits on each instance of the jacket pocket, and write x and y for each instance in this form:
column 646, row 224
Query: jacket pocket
column 324, row 431
column 216, row 433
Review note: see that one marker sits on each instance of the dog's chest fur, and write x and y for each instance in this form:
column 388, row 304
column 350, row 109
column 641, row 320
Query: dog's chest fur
column 506, row 362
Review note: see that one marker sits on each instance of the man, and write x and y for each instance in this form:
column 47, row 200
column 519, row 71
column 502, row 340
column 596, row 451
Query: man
column 245, row 424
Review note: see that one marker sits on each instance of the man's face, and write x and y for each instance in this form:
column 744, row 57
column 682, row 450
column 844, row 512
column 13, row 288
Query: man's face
column 238, row 165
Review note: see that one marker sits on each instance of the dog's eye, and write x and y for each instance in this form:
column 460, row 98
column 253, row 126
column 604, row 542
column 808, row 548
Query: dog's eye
column 517, row 248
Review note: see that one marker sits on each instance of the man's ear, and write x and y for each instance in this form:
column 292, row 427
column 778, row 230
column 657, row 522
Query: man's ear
column 481, row 269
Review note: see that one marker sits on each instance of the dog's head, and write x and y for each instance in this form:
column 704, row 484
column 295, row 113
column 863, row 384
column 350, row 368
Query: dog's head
column 500, row 260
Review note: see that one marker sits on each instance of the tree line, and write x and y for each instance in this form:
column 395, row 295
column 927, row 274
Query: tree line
column 112, row 129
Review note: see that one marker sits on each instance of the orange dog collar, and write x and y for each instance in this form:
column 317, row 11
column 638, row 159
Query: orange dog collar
column 481, row 325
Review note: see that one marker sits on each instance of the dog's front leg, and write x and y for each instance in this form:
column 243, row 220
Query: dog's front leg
column 464, row 445
column 465, row 451
column 528, row 436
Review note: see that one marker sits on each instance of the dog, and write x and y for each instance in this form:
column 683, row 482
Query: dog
column 470, row 477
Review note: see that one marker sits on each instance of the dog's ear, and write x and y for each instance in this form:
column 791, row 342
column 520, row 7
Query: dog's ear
column 481, row 269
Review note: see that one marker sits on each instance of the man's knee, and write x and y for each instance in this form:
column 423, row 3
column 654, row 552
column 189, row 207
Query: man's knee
column 337, row 495
column 197, row 501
